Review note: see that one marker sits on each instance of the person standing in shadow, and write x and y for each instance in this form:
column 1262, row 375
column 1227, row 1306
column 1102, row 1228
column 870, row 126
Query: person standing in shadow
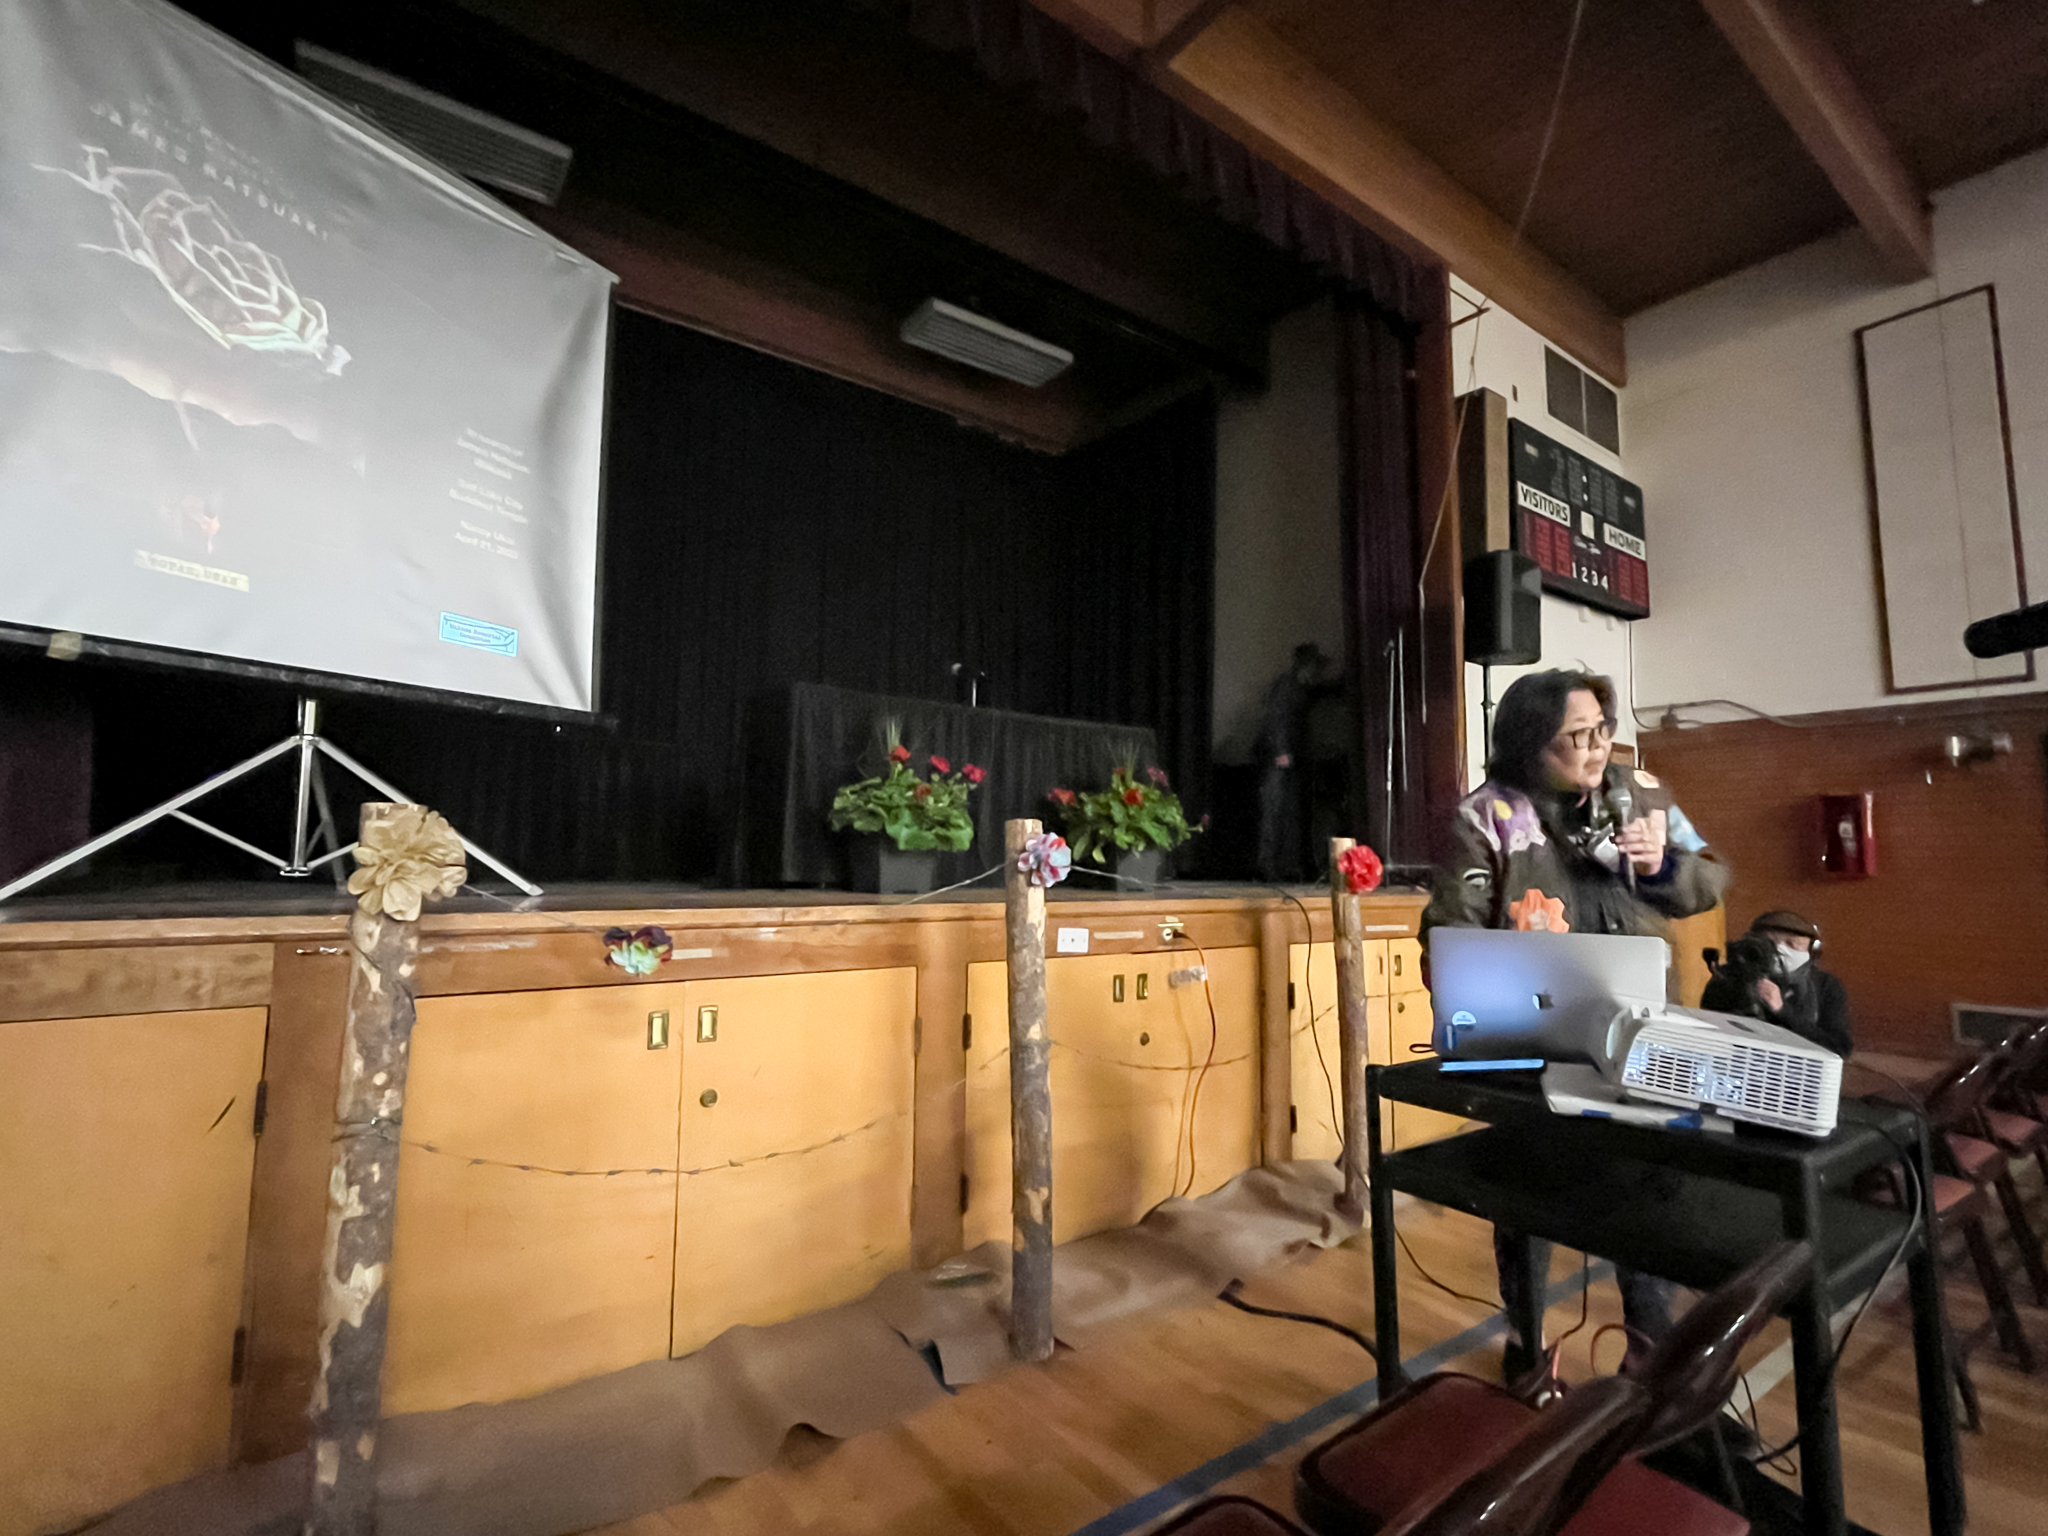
column 1282, row 855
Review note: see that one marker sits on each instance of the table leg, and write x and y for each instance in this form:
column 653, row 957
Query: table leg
column 1939, row 1452
column 1813, row 1352
column 1386, row 1311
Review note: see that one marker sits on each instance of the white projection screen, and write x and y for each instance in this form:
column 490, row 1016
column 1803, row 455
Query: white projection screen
column 275, row 390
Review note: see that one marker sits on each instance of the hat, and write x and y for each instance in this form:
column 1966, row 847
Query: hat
column 1787, row 922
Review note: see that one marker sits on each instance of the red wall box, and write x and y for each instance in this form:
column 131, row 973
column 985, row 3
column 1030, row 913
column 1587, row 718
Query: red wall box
column 1848, row 835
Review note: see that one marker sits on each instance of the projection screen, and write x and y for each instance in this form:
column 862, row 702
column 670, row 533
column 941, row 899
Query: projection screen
column 275, row 389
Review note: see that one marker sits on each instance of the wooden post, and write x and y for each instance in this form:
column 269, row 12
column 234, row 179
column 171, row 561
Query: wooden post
column 1030, row 1104
column 362, row 1193
column 1351, row 1028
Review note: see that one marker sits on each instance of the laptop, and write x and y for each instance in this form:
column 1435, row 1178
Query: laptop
column 1502, row 995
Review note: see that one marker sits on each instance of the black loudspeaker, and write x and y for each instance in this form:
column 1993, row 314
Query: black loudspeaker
column 1503, row 609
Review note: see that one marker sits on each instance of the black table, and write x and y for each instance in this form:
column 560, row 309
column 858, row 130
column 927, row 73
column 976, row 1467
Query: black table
column 1694, row 1207
column 805, row 741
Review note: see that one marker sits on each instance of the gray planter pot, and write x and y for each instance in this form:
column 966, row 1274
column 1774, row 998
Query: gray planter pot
column 880, row 866
column 1146, row 867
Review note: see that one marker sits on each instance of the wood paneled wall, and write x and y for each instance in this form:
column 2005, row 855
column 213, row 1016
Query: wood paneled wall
column 1958, row 910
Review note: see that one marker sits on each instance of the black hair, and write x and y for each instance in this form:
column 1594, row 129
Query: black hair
column 1529, row 715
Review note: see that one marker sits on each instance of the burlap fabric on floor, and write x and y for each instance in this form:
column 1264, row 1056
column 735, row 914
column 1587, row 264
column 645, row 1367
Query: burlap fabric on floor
column 649, row 1436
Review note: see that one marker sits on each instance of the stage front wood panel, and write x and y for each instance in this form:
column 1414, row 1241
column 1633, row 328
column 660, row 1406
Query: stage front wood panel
column 575, row 1195
column 125, row 1152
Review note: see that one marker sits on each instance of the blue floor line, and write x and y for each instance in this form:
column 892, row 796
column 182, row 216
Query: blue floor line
column 1191, row 1485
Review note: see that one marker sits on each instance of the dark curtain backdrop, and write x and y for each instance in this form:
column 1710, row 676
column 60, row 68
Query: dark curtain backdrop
column 766, row 524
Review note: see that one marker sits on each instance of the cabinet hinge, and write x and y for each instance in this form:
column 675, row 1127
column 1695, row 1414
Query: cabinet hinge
column 1290, row 997
column 262, row 1105
column 966, row 1031
column 963, row 1194
column 1293, row 1125
column 238, row 1361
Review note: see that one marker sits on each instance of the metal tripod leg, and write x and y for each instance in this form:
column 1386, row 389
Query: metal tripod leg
column 376, row 783
column 174, row 807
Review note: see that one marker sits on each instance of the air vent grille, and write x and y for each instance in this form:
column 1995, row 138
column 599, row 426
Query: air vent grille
column 1779, row 1084
column 981, row 343
column 470, row 143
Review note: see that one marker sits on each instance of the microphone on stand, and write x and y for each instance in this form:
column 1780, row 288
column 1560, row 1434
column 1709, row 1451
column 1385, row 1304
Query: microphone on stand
column 1621, row 801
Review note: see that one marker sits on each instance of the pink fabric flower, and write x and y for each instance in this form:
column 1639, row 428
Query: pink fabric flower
column 1157, row 776
column 1046, row 859
column 940, row 765
column 1062, row 797
column 973, row 774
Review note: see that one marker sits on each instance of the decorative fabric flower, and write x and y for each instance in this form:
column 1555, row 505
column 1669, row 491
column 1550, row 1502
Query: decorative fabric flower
column 1538, row 913
column 637, row 951
column 899, row 753
column 1065, row 798
column 940, row 764
column 1157, row 776
column 974, row 775
column 1046, row 859
column 1361, row 869
column 1134, row 796
column 921, row 792
column 413, row 855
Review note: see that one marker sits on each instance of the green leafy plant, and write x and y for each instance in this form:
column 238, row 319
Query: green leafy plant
column 911, row 809
column 1134, row 813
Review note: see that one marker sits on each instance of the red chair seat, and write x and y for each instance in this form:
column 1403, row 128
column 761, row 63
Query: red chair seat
column 1447, row 1429
column 1229, row 1515
column 2016, row 1134
column 1632, row 1500
column 1980, row 1161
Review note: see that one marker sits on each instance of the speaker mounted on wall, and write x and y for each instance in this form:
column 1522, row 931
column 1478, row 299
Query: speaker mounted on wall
column 1503, row 609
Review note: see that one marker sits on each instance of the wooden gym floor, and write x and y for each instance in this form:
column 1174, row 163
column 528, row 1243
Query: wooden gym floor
column 1111, row 1439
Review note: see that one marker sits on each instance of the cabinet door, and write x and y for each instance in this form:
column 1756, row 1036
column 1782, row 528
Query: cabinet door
column 796, row 1145
column 127, row 1145
column 1143, row 1104
column 1410, row 1028
column 1317, row 1070
column 534, row 1243
column 1404, row 965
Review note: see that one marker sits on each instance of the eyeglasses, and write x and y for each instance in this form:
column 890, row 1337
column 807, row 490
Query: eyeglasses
column 1583, row 738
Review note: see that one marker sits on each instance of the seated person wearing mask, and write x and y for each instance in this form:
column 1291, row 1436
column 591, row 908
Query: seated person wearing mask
column 1773, row 973
column 1544, row 843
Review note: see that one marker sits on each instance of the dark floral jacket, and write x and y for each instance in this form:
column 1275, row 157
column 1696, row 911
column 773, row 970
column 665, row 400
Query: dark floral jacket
column 1506, row 845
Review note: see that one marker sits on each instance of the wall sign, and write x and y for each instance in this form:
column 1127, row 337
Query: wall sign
column 1581, row 523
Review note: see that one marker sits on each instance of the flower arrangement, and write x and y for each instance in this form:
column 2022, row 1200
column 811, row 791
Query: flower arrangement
column 914, row 810
column 1131, row 815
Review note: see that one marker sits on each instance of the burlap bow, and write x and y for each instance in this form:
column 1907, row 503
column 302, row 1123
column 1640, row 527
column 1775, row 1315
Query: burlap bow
column 413, row 855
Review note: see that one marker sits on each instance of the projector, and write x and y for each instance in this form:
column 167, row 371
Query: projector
column 1741, row 1068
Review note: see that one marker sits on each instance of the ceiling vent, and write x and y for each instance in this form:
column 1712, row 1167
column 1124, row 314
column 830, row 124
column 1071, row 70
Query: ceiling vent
column 471, row 143
column 980, row 343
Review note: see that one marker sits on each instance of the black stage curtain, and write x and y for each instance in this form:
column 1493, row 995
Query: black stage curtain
column 766, row 525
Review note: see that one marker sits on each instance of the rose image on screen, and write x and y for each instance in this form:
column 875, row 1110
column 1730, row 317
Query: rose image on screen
column 231, row 288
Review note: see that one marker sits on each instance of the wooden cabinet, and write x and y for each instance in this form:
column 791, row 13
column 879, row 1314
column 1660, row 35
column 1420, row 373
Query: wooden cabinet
column 127, row 1144
column 1152, row 1095
column 573, row 1200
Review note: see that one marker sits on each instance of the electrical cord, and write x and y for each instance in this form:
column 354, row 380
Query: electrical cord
column 1230, row 1296
column 1194, row 1100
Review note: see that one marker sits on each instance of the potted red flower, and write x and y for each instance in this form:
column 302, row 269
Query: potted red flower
column 1134, row 823
column 910, row 817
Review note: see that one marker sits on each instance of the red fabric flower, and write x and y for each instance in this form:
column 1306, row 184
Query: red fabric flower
column 973, row 774
column 1360, row 867
column 940, row 765
column 1134, row 796
column 899, row 753
column 1065, row 797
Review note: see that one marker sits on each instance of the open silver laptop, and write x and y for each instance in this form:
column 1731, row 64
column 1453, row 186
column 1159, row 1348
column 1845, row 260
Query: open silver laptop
column 1500, row 995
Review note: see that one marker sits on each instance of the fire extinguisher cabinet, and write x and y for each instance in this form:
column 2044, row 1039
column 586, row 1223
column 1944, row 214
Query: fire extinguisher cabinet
column 1848, row 835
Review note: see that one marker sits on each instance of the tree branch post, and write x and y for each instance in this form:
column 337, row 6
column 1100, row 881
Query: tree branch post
column 1353, row 1014
column 362, row 1193
column 1030, row 1103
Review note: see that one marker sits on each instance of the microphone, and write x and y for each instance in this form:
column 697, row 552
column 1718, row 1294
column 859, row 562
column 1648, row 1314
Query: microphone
column 1622, row 801
column 2023, row 629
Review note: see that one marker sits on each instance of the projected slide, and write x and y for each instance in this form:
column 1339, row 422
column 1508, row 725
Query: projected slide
column 273, row 388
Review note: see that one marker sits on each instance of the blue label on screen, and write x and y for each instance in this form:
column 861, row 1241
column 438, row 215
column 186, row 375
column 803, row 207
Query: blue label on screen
column 479, row 635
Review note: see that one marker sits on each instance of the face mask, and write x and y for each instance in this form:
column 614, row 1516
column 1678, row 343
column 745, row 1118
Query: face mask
column 1791, row 956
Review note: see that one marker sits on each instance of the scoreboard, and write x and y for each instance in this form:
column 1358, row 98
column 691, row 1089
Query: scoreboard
column 1582, row 524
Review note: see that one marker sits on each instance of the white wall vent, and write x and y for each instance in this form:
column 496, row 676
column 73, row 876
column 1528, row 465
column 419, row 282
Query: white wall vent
column 470, row 143
column 980, row 343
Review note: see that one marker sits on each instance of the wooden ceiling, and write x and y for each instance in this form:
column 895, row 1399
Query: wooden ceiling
column 1696, row 137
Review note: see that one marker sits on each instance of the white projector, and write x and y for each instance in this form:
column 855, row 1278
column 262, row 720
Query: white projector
column 1741, row 1068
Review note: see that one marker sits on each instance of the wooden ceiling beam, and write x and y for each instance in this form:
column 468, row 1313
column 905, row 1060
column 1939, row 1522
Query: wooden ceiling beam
column 1241, row 76
column 1808, row 83
column 1175, row 36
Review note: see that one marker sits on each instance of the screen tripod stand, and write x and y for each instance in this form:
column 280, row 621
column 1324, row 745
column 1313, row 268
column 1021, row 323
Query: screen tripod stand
column 310, row 745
